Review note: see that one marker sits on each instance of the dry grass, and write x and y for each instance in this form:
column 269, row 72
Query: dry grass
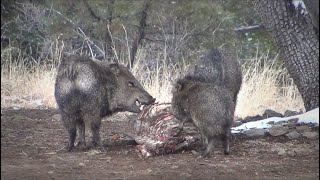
column 266, row 87
column 25, row 87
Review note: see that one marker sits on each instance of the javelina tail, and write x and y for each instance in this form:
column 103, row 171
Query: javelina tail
column 68, row 61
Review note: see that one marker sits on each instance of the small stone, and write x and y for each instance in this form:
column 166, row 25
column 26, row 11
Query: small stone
column 291, row 153
column 236, row 123
column 288, row 113
column 270, row 122
column 255, row 133
column 281, row 152
column 174, row 167
column 293, row 135
column 194, row 152
column 303, row 129
column 50, row 172
column 53, row 165
column 278, row 130
column 293, row 120
column 310, row 135
column 280, row 123
column 149, row 170
column 271, row 113
column 252, row 118
column 93, row 152
column 56, row 117
column 316, row 147
column 186, row 175
column 82, row 165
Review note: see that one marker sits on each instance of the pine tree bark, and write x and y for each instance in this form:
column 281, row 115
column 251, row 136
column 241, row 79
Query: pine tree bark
column 297, row 40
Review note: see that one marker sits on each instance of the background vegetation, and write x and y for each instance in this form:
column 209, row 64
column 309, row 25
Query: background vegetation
column 156, row 39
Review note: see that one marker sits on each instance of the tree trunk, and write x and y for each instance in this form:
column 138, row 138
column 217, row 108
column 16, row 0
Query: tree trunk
column 141, row 32
column 298, row 43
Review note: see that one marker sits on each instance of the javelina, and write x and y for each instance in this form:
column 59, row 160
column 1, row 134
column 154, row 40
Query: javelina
column 220, row 68
column 208, row 106
column 87, row 90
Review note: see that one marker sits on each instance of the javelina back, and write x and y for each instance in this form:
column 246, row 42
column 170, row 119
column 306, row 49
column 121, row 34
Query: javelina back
column 208, row 106
column 218, row 67
column 87, row 90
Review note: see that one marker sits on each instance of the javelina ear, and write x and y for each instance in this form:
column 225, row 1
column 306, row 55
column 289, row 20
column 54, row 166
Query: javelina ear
column 177, row 87
column 115, row 68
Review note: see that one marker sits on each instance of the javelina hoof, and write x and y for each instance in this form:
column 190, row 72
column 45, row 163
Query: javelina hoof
column 205, row 153
column 69, row 147
column 82, row 146
column 97, row 146
column 226, row 152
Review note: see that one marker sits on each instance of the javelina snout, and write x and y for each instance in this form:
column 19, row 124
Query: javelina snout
column 87, row 90
column 209, row 107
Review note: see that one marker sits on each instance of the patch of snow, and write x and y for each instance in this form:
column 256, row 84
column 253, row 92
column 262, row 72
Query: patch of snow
column 309, row 117
column 306, row 118
column 299, row 4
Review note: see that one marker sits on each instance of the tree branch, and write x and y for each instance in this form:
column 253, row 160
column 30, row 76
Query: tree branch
column 141, row 32
column 245, row 29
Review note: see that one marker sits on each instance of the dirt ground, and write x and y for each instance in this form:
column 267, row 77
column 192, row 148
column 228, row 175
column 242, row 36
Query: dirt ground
column 32, row 147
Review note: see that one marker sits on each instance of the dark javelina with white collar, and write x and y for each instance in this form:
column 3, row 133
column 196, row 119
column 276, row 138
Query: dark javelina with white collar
column 87, row 90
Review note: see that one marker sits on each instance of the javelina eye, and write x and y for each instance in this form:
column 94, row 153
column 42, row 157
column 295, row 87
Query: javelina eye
column 131, row 84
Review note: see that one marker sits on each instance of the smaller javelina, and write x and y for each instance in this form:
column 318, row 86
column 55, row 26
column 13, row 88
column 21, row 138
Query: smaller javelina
column 209, row 107
column 87, row 90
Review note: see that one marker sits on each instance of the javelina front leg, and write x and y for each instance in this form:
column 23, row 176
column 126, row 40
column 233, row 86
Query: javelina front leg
column 226, row 142
column 210, row 145
column 182, row 121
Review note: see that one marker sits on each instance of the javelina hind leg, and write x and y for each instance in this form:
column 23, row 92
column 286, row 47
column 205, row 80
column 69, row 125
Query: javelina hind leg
column 95, row 129
column 81, row 131
column 70, row 125
column 226, row 142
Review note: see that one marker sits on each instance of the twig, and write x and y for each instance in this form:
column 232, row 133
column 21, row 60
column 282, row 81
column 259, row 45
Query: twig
column 245, row 29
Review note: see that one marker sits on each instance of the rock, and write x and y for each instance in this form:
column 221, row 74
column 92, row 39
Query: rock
column 236, row 123
column 194, row 152
column 82, row 165
column 252, row 118
column 56, row 117
column 187, row 175
column 255, row 133
column 280, row 123
column 174, row 167
column 50, row 172
column 281, row 152
column 278, row 130
column 293, row 120
column 270, row 122
column 293, row 135
column 316, row 147
column 288, row 113
column 291, row 153
column 310, row 135
column 271, row 113
column 303, row 129
column 92, row 152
